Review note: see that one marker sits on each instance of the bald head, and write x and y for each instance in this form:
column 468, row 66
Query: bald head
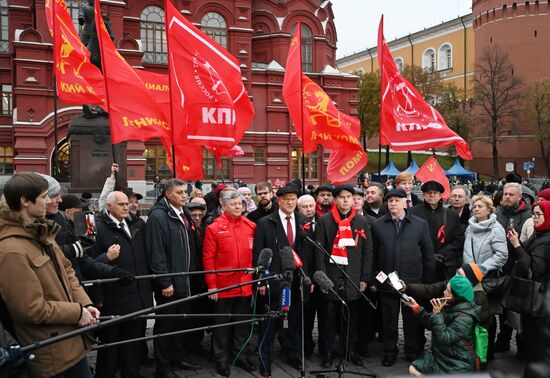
column 118, row 205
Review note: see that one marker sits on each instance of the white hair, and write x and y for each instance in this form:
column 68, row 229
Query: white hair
column 111, row 197
column 305, row 198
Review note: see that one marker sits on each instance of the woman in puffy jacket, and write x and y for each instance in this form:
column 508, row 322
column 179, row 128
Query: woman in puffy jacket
column 534, row 263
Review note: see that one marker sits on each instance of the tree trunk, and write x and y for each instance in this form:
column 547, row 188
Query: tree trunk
column 494, row 142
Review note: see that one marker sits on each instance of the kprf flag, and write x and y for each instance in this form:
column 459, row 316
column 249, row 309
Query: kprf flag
column 210, row 104
column 78, row 80
column 134, row 113
column 188, row 161
column 407, row 121
column 432, row 171
column 317, row 120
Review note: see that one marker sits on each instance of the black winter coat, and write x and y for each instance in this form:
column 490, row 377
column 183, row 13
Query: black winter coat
column 170, row 247
column 535, row 257
column 452, row 247
column 360, row 257
column 123, row 298
column 270, row 233
column 260, row 212
column 409, row 253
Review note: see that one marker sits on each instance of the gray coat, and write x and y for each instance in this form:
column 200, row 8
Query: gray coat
column 487, row 240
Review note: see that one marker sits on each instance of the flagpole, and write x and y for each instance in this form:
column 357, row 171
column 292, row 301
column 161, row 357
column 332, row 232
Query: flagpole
column 299, row 29
column 170, row 90
column 55, row 136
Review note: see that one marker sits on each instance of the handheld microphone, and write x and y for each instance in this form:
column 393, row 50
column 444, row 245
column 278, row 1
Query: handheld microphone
column 299, row 265
column 264, row 261
column 287, row 263
column 285, row 296
column 383, row 278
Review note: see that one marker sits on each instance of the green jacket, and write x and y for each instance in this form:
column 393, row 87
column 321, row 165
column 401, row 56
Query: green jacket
column 452, row 340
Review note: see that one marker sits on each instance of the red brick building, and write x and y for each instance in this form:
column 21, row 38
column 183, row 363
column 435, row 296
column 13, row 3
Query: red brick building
column 522, row 30
column 256, row 32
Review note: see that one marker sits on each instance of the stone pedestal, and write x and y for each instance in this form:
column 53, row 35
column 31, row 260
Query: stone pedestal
column 92, row 155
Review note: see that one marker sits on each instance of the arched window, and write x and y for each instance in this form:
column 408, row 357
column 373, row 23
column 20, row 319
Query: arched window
column 307, row 47
column 214, row 25
column 400, row 64
column 4, row 37
column 445, row 57
column 428, row 60
column 153, row 36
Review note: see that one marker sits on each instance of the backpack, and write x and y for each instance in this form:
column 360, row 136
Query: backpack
column 481, row 343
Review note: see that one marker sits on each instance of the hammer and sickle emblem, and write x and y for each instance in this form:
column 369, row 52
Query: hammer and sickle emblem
column 431, row 167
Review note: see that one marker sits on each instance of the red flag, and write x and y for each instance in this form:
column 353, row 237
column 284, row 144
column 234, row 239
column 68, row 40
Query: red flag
column 407, row 121
column 209, row 100
column 431, row 170
column 158, row 87
column 78, row 80
column 189, row 161
column 133, row 113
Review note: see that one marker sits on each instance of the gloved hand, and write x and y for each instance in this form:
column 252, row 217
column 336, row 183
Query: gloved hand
column 439, row 259
column 125, row 276
column 86, row 241
column 78, row 250
column 16, row 356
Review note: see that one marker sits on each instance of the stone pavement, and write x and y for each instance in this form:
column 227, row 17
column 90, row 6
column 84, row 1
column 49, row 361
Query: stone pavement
column 504, row 364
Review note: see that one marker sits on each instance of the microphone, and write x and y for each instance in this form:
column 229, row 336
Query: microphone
column 299, row 264
column 288, row 266
column 285, row 296
column 264, row 261
column 383, row 278
column 325, row 284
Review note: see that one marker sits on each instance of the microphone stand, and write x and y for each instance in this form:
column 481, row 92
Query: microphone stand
column 132, row 315
column 153, row 276
column 341, row 367
column 190, row 316
column 302, row 349
column 320, row 247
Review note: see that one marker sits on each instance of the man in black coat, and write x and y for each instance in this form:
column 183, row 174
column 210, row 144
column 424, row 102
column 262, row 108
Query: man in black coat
column 374, row 198
column 120, row 242
column 446, row 231
column 460, row 203
column 347, row 237
column 276, row 231
column 266, row 203
column 171, row 242
column 402, row 244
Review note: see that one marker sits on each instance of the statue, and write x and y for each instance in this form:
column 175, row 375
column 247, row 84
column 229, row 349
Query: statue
column 88, row 36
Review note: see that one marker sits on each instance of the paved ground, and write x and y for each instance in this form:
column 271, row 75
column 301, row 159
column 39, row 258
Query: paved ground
column 504, row 365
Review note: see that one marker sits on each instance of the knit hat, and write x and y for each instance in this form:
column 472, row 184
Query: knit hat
column 243, row 189
column 474, row 273
column 54, row 188
column 462, row 288
column 545, row 193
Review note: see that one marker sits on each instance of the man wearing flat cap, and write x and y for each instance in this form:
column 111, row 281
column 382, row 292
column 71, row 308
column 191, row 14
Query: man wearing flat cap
column 275, row 231
column 346, row 236
column 446, row 231
column 324, row 201
column 401, row 244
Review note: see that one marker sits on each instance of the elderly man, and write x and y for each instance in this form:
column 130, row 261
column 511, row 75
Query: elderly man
column 171, row 243
column 374, row 198
column 446, row 231
column 276, row 231
column 460, row 203
column 402, row 244
column 228, row 244
column 120, row 242
column 38, row 284
column 346, row 235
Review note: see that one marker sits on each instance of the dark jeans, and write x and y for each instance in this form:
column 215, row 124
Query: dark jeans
column 412, row 329
column 169, row 349
column 109, row 360
column 80, row 370
column 228, row 341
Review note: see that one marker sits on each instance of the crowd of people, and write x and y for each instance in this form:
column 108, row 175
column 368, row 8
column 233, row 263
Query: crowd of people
column 451, row 261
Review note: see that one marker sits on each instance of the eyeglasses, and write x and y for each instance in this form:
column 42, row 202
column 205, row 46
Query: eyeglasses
column 538, row 215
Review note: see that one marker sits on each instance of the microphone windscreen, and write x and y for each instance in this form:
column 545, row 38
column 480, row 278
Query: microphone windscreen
column 265, row 257
column 287, row 260
column 321, row 279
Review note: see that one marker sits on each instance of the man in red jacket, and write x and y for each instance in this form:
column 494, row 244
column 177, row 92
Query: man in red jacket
column 228, row 244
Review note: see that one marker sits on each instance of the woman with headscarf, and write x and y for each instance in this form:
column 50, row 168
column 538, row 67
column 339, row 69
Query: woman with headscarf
column 534, row 263
column 452, row 324
column 246, row 195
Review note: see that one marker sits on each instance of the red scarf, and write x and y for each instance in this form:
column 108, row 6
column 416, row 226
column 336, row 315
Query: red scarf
column 343, row 239
column 545, row 208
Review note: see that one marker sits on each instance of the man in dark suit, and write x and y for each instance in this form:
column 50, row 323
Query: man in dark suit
column 346, row 236
column 446, row 231
column 460, row 203
column 276, row 231
column 374, row 198
column 402, row 244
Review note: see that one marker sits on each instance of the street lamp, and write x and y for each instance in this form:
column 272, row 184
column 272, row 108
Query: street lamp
column 533, row 160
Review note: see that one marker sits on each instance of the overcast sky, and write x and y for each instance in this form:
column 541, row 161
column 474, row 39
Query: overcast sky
column 357, row 20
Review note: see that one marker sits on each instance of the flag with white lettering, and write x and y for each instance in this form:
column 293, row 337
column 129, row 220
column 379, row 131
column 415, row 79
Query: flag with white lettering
column 134, row 113
column 407, row 121
column 210, row 104
column 78, row 81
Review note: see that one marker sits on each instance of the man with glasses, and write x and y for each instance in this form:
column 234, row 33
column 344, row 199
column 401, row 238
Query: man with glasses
column 266, row 203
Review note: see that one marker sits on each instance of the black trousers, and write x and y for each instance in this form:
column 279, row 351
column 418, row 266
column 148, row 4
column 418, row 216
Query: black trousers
column 109, row 360
column 412, row 329
column 169, row 349
column 311, row 308
column 329, row 315
column 370, row 320
column 228, row 341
